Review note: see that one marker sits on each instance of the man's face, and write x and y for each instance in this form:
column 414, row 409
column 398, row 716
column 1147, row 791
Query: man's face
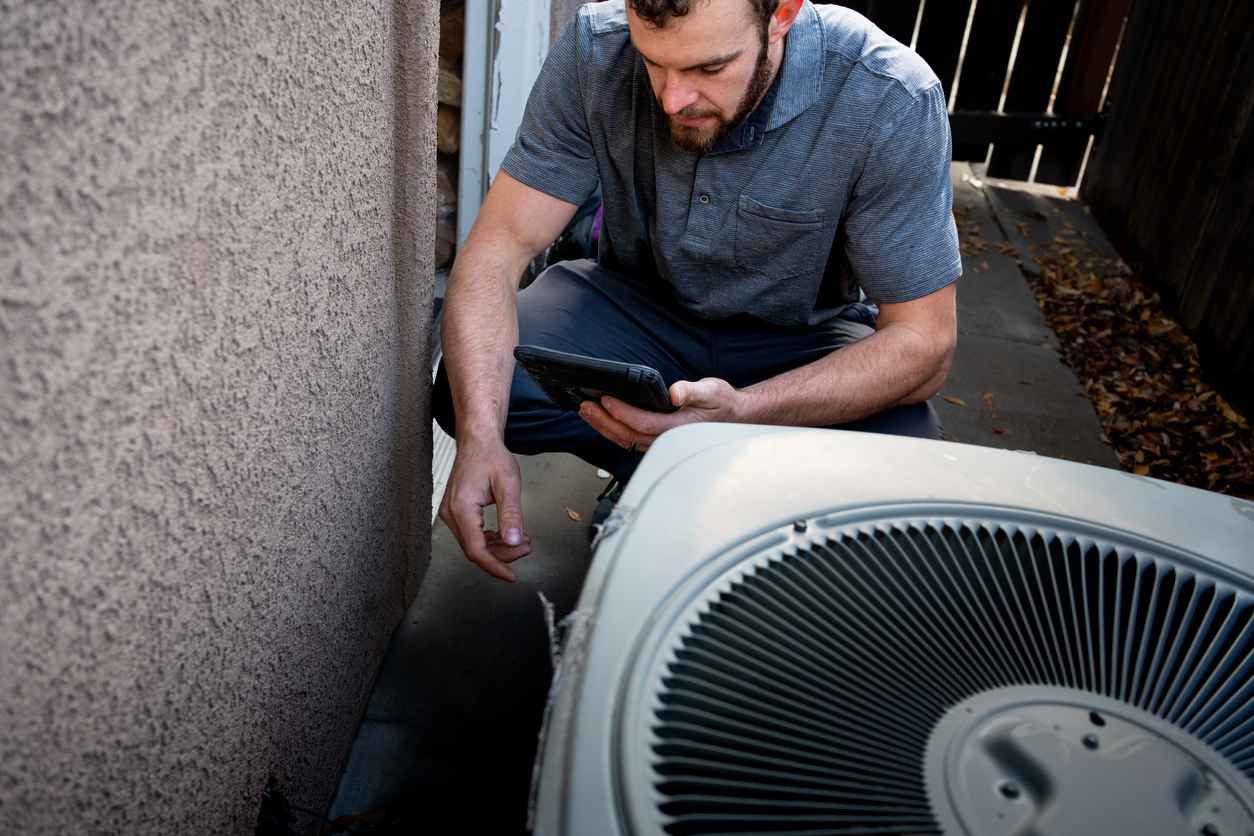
column 708, row 68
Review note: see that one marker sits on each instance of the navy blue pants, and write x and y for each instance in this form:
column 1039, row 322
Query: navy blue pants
column 580, row 307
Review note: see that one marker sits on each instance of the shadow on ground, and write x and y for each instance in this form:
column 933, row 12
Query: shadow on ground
column 450, row 733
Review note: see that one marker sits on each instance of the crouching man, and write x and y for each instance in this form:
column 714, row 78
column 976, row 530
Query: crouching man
column 778, row 239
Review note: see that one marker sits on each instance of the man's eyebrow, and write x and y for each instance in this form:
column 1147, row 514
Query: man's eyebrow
column 711, row 62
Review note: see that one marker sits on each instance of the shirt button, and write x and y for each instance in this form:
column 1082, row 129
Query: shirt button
column 705, row 198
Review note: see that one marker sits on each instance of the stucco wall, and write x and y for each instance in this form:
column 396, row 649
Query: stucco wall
column 215, row 248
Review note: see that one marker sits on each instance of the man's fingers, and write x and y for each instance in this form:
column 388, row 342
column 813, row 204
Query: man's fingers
column 612, row 428
column 641, row 422
column 698, row 393
column 468, row 528
column 482, row 557
column 494, row 537
column 504, row 552
column 604, row 423
column 486, row 475
column 450, row 520
column 507, row 491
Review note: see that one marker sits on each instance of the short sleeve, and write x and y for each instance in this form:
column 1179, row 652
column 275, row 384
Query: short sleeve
column 553, row 150
column 902, row 240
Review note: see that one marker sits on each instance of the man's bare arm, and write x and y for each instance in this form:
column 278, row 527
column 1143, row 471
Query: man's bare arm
column 480, row 331
column 480, row 325
column 905, row 361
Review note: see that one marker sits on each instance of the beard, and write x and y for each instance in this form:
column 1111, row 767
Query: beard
column 701, row 140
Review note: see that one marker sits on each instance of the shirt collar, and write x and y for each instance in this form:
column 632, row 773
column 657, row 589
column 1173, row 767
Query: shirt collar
column 795, row 88
column 800, row 78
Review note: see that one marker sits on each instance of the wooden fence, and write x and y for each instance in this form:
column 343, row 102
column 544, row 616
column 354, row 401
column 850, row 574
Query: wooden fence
column 1009, row 57
column 1172, row 182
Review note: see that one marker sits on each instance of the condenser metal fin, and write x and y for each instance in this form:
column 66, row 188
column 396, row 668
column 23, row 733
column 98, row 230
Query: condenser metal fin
column 800, row 632
column 805, row 696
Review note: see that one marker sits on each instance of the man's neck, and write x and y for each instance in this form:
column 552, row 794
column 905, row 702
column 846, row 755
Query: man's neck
column 775, row 59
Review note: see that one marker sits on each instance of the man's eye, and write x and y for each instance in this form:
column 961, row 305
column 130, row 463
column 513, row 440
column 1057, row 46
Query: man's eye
column 713, row 70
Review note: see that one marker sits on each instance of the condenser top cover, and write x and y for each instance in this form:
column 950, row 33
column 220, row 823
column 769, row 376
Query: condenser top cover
column 793, row 631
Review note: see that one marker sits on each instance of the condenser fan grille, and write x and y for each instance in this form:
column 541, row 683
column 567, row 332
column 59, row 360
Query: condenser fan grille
column 800, row 699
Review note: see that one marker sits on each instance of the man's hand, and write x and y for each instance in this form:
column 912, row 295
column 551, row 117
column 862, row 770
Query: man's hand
column 483, row 475
column 630, row 427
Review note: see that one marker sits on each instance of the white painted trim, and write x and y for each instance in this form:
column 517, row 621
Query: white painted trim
column 472, row 182
column 918, row 25
column 505, row 47
column 523, row 30
column 443, row 453
column 962, row 56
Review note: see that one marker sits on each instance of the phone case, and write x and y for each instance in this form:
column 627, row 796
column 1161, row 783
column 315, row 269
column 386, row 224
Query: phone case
column 570, row 379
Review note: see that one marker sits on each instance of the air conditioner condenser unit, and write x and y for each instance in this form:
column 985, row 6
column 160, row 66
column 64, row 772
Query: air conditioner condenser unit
column 790, row 631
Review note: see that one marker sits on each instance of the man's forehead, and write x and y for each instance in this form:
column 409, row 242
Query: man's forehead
column 713, row 30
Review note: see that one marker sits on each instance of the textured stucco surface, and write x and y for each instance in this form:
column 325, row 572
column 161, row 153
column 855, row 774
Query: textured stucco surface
column 214, row 445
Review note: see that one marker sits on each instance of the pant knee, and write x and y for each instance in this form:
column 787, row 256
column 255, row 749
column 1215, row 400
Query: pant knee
column 442, row 403
column 917, row 420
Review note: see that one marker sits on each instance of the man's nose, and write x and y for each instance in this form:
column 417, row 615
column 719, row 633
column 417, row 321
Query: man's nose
column 676, row 94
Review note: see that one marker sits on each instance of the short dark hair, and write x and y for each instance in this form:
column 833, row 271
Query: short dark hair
column 657, row 12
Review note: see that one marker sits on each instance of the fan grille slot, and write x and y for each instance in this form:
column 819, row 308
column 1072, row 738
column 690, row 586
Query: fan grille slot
column 800, row 699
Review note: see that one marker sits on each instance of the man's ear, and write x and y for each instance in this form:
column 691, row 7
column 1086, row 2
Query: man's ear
column 783, row 19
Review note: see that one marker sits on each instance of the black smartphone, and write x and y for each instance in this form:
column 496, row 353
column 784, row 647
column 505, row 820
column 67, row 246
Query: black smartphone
column 570, row 379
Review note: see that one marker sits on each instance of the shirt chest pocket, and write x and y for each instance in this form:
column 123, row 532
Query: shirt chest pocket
column 781, row 242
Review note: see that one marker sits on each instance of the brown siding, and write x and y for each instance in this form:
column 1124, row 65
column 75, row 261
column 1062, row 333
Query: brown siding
column 984, row 69
column 1172, row 181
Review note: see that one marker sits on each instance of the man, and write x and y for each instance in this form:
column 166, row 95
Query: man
column 763, row 165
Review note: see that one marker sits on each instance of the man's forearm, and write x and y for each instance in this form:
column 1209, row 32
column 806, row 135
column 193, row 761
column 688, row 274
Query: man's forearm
column 480, row 331
column 481, row 307
column 896, row 365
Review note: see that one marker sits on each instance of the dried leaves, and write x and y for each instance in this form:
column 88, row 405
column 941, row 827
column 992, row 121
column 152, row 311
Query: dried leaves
column 970, row 241
column 1143, row 374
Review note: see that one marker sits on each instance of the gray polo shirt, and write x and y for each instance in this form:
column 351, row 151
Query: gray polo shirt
column 838, row 180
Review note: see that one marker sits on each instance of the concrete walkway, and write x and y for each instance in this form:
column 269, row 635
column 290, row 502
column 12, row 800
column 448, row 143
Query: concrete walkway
column 451, row 729
column 1008, row 387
